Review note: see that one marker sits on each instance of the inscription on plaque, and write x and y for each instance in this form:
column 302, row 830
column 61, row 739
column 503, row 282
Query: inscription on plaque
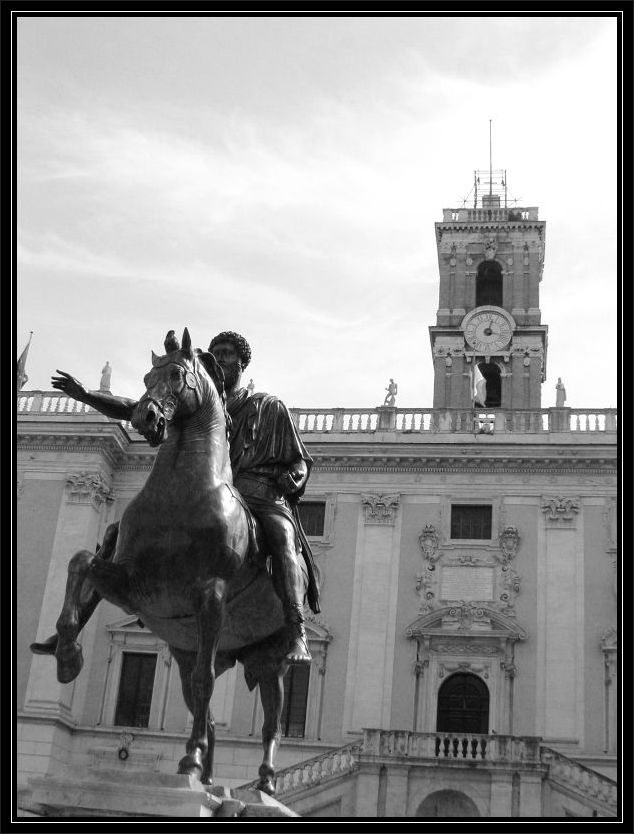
column 467, row 583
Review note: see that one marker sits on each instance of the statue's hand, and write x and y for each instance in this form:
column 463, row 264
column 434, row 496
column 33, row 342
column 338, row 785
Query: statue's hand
column 69, row 385
column 293, row 480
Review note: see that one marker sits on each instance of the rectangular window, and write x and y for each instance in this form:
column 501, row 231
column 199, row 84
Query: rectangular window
column 295, row 700
column 312, row 515
column 469, row 521
column 135, row 689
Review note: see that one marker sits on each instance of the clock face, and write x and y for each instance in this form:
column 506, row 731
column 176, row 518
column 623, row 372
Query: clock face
column 488, row 331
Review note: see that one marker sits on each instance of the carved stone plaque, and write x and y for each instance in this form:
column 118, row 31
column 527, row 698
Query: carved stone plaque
column 467, row 583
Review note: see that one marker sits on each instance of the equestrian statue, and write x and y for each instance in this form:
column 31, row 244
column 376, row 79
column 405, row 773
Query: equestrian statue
column 210, row 555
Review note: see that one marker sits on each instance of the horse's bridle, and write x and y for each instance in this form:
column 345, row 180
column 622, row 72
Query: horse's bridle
column 168, row 405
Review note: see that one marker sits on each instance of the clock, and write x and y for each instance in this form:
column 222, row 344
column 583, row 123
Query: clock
column 487, row 330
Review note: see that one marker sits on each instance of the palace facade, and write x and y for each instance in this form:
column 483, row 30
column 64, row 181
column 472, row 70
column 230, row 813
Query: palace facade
column 465, row 660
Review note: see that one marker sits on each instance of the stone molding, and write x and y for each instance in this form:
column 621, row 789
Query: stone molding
column 88, row 488
column 380, row 509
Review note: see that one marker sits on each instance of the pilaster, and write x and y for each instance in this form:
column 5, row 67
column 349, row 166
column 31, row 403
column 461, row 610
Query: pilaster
column 86, row 500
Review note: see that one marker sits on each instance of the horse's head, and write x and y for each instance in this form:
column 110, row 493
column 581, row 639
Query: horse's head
column 178, row 383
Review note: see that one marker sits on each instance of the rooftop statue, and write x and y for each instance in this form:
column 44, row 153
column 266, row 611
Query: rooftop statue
column 392, row 390
column 188, row 556
column 560, row 393
column 106, row 373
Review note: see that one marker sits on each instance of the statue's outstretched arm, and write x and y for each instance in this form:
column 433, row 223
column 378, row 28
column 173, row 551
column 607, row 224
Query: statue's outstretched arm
column 119, row 408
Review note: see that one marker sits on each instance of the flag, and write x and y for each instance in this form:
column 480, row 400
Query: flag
column 22, row 376
column 479, row 390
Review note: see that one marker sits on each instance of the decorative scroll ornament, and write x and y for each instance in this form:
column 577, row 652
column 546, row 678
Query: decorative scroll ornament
column 560, row 509
column 88, row 488
column 509, row 540
column 490, row 247
column 380, row 509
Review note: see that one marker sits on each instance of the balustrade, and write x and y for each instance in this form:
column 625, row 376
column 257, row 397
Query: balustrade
column 405, row 421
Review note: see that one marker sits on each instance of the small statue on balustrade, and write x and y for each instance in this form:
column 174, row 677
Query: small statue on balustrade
column 392, row 390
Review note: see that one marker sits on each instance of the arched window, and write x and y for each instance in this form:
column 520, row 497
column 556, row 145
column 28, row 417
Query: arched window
column 463, row 705
column 492, row 375
column 489, row 284
column 447, row 803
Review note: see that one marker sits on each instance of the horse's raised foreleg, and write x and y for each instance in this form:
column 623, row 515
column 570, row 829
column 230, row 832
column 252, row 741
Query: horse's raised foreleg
column 272, row 697
column 88, row 597
column 87, row 574
column 200, row 745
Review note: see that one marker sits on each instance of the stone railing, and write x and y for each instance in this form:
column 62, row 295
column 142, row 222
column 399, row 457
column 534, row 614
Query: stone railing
column 423, row 421
column 494, row 213
column 315, row 771
column 470, row 421
column 580, row 779
column 448, row 746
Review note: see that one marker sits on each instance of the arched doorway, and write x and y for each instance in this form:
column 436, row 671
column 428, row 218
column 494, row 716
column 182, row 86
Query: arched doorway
column 463, row 705
column 447, row 804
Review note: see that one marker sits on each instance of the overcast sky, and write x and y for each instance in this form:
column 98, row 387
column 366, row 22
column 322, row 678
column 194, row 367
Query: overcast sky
column 281, row 177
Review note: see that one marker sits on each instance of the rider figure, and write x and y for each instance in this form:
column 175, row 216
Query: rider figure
column 270, row 469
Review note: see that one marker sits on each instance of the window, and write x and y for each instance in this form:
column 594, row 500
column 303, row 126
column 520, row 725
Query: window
column 463, row 705
column 135, row 689
column 471, row 522
column 295, row 700
column 312, row 515
column 489, row 284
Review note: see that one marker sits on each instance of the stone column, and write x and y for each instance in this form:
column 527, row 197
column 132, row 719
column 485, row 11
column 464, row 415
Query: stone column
column 367, row 793
column 530, row 794
column 396, row 795
column 501, row 793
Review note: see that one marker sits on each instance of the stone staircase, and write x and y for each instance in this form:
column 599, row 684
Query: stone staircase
column 595, row 791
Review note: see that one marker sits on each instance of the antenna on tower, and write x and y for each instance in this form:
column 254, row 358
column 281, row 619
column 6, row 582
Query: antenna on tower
column 490, row 161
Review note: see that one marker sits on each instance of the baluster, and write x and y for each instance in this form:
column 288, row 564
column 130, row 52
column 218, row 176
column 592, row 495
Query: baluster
column 455, row 747
column 445, row 742
column 474, row 748
column 465, row 746
column 483, row 747
column 436, row 747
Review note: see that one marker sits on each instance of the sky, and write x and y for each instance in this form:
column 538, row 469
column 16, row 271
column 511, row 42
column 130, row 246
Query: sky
column 281, row 177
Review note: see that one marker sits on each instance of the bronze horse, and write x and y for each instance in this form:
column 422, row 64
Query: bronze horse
column 184, row 558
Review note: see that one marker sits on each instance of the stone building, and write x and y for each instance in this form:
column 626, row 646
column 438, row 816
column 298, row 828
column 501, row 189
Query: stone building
column 465, row 662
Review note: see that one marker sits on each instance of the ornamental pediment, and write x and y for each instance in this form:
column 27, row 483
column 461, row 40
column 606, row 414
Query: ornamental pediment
column 466, row 619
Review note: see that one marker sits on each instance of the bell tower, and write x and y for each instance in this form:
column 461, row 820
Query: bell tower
column 488, row 324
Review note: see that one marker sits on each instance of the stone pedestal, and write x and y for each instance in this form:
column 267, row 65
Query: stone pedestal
column 92, row 792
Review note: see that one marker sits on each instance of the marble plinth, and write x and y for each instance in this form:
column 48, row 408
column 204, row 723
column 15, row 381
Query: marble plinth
column 95, row 792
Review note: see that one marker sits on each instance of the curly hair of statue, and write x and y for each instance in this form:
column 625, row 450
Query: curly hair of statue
column 239, row 342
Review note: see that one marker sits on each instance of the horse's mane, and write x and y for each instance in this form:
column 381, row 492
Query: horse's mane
column 209, row 363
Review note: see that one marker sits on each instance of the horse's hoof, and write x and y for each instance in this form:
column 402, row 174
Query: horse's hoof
column 191, row 765
column 266, row 786
column 47, row 647
column 70, row 660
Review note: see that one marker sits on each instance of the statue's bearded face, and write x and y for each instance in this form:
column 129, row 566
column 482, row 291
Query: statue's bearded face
column 229, row 360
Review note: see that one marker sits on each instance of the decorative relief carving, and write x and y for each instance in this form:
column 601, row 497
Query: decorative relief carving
column 610, row 640
column 467, row 647
column 560, row 508
column 485, row 576
column 88, row 488
column 380, row 509
column 428, row 541
column 509, row 540
column 450, row 668
column 490, row 247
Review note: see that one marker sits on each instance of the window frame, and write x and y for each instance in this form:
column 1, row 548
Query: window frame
column 463, row 504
